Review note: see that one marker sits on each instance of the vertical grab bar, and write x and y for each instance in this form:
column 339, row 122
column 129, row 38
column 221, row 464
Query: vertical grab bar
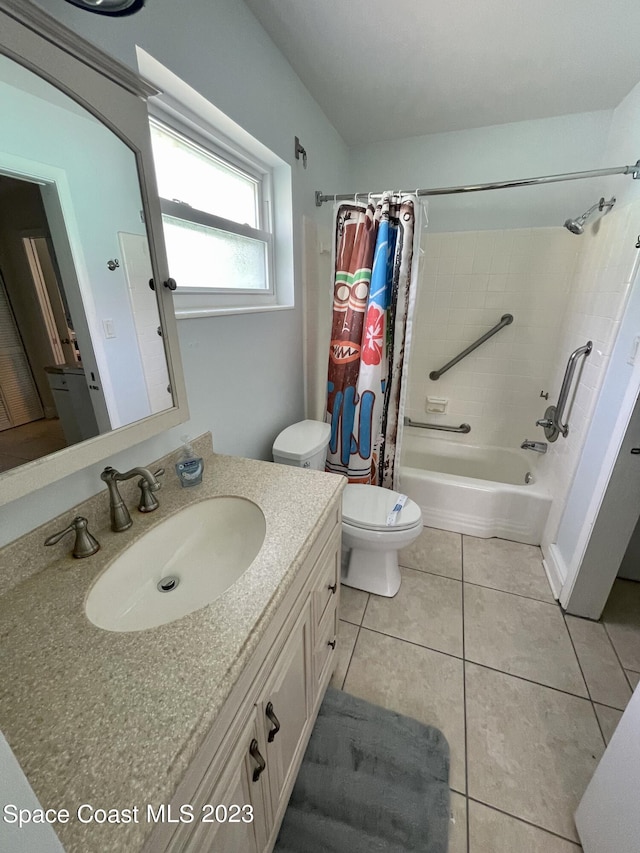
column 552, row 421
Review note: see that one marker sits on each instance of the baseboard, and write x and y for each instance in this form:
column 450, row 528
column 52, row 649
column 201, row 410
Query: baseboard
column 555, row 567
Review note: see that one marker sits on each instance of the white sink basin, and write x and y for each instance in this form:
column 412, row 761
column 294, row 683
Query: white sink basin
column 197, row 554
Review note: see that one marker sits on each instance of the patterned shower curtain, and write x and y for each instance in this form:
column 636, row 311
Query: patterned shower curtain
column 373, row 299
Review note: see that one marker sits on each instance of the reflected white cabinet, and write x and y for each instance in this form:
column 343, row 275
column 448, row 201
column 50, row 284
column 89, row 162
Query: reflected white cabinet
column 251, row 757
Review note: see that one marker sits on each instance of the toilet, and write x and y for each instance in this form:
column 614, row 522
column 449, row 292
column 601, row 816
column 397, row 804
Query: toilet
column 370, row 544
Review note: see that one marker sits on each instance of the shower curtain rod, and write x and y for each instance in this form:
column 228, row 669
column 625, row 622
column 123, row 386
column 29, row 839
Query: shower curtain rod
column 634, row 171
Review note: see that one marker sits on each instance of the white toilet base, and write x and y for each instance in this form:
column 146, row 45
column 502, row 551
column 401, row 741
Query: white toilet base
column 372, row 571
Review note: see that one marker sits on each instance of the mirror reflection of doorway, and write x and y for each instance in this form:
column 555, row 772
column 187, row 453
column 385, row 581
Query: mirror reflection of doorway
column 39, row 356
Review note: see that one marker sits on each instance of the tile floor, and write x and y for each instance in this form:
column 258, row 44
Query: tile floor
column 527, row 697
column 30, row 441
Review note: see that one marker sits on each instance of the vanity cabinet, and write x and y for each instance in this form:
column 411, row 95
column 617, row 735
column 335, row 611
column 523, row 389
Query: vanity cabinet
column 249, row 760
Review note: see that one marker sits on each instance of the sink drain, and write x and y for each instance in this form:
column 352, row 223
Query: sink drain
column 168, row 584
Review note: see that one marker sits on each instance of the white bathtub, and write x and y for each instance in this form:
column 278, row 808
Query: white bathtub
column 480, row 491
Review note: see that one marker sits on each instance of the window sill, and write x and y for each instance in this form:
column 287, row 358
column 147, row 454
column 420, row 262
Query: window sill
column 195, row 313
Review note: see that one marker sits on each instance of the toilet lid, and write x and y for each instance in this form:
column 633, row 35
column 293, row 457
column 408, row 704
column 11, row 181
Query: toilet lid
column 369, row 506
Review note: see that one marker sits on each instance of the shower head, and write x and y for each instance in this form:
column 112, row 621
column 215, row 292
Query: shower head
column 576, row 226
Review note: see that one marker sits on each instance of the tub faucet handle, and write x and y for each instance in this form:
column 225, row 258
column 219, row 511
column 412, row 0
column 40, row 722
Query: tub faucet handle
column 547, row 423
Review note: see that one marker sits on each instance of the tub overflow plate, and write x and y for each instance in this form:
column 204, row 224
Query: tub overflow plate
column 168, row 584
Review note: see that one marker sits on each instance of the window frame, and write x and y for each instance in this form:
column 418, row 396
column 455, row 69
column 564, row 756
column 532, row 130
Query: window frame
column 182, row 107
column 237, row 161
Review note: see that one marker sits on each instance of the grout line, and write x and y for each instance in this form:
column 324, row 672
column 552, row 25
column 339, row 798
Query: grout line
column 517, row 594
column 359, row 627
column 530, row 681
column 431, row 574
column 346, row 672
column 411, row 642
column 615, row 651
column 523, row 820
column 584, row 678
column 464, row 699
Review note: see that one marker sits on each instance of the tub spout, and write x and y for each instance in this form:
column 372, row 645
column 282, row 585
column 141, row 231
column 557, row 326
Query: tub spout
column 538, row 446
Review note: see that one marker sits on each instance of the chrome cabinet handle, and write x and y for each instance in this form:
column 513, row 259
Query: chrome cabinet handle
column 333, row 587
column 273, row 720
column 254, row 752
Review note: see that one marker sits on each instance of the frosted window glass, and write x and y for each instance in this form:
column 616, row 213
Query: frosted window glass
column 189, row 174
column 200, row 256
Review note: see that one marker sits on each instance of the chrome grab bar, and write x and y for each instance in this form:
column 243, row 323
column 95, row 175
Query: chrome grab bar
column 552, row 421
column 505, row 320
column 462, row 428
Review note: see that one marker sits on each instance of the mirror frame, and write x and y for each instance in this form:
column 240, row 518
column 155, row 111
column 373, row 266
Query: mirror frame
column 116, row 96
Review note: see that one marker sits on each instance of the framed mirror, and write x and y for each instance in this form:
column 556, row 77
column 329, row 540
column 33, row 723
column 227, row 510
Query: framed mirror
column 89, row 359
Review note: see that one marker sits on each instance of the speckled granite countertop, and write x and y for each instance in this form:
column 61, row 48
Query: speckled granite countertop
column 113, row 719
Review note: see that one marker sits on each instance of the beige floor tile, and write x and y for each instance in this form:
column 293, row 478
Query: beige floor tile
column 509, row 566
column 437, row 551
column 458, row 824
column 426, row 610
column 495, row 832
column 608, row 719
column 622, row 619
column 604, row 675
column 531, row 750
column 414, row 681
column 347, row 634
column 352, row 604
column 633, row 677
column 520, row 636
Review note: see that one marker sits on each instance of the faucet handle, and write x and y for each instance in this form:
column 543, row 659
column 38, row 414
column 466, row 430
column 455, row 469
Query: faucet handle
column 545, row 422
column 85, row 544
column 148, row 501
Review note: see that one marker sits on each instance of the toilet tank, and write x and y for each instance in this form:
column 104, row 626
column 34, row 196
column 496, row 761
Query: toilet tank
column 303, row 445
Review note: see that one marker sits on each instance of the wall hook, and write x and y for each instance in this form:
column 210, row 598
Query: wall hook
column 544, row 396
column 113, row 265
column 300, row 150
column 638, row 242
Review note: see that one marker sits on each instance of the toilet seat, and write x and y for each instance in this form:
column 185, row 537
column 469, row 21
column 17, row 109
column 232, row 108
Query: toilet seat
column 367, row 508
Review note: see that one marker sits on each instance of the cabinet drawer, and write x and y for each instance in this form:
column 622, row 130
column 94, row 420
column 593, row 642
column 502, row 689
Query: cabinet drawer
column 326, row 588
column 326, row 636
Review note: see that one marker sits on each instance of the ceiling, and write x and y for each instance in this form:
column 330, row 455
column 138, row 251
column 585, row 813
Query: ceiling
column 399, row 68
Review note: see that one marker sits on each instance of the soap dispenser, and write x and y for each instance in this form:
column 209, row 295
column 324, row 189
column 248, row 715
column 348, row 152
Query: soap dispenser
column 189, row 467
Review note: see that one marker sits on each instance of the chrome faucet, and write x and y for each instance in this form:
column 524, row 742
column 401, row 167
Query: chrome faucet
column 538, row 446
column 120, row 518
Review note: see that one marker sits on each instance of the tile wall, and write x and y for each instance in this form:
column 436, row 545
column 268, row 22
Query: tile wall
column 468, row 280
column 604, row 271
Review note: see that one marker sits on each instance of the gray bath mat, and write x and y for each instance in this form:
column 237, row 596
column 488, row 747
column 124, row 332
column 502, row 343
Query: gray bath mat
column 372, row 781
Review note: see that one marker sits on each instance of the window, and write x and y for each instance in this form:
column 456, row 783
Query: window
column 226, row 204
column 215, row 216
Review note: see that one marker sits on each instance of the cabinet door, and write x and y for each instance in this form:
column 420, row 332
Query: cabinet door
column 285, row 708
column 234, row 816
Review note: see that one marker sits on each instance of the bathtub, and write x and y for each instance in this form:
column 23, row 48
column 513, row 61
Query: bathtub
column 481, row 491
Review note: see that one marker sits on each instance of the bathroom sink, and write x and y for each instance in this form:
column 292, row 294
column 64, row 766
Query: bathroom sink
column 183, row 564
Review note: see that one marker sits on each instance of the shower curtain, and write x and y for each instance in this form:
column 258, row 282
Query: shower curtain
column 373, row 301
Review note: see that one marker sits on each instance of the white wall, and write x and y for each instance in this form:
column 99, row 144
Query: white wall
column 244, row 374
column 524, row 149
